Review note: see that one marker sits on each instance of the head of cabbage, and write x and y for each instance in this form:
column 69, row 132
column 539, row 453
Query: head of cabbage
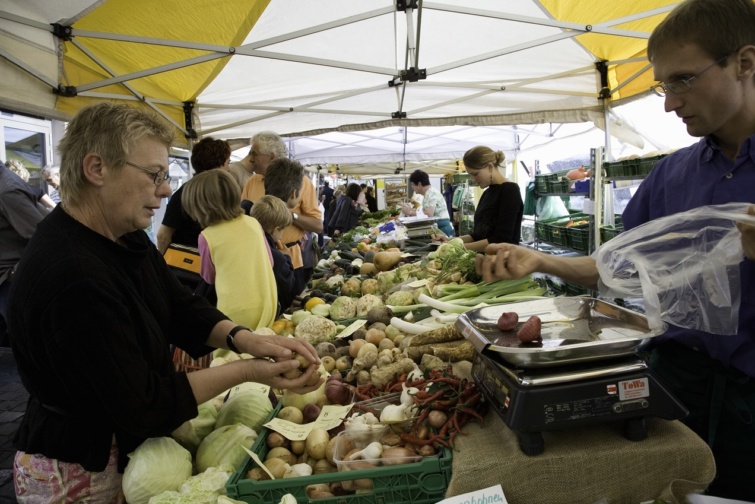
column 224, row 446
column 249, row 407
column 157, row 465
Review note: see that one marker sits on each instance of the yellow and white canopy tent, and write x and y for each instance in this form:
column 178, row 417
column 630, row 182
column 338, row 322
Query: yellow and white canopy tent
column 379, row 70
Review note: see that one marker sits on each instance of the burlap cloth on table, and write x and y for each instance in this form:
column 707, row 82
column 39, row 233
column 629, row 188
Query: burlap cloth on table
column 582, row 466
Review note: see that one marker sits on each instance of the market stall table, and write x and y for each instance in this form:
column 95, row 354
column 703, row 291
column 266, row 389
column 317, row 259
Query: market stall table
column 583, row 465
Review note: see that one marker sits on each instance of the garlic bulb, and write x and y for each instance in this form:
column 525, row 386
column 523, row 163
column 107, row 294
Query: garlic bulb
column 370, row 452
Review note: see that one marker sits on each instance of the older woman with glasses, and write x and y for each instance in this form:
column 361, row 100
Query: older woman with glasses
column 95, row 309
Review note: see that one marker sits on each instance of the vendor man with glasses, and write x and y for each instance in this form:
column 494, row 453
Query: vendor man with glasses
column 703, row 55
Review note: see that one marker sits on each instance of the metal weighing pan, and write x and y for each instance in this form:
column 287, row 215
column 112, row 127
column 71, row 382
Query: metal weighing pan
column 415, row 222
column 575, row 329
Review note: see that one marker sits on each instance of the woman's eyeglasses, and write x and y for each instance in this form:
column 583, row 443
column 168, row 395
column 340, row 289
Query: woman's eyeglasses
column 158, row 177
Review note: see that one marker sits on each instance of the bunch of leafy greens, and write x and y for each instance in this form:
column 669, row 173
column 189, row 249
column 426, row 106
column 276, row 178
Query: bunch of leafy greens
column 455, row 258
column 350, row 236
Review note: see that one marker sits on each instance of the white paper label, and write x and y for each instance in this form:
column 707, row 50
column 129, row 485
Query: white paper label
column 490, row 495
column 348, row 331
column 633, row 389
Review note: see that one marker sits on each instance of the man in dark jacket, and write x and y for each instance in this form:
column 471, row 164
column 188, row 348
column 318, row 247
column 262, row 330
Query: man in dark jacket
column 18, row 220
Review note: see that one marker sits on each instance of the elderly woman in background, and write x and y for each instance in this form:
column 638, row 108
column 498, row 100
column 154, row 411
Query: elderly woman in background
column 95, row 309
column 498, row 216
column 433, row 202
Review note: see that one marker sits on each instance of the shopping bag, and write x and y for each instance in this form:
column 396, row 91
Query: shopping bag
column 685, row 267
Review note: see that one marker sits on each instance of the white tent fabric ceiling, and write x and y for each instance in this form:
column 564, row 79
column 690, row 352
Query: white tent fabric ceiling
column 336, row 75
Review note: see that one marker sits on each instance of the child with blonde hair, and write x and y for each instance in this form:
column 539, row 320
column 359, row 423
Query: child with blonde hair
column 274, row 216
column 234, row 253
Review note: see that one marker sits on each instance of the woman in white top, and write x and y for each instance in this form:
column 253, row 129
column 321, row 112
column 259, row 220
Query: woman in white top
column 433, row 202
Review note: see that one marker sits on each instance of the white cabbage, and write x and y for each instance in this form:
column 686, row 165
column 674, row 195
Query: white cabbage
column 251, row 408
column 204, row 488
column 224, row 446
column 157, row 465
column 193, row 431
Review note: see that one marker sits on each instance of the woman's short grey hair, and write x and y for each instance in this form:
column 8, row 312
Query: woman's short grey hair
column 109, row 130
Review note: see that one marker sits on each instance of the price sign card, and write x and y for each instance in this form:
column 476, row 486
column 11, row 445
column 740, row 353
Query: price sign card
column 351, row 329
column 490, row 495
column 330, row 416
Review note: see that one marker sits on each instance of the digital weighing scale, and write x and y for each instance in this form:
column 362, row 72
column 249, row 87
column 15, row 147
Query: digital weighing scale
column 419, row 227
column 585, row 371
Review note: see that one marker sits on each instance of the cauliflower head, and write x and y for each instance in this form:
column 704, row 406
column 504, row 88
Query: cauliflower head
column 316, row 329
column 342, row 308
column 400, row 298
column 369, row 286
column 352, row 287
column 366, row 303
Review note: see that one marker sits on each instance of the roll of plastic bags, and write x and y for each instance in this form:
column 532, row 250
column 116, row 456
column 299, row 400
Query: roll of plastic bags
column 684, row 266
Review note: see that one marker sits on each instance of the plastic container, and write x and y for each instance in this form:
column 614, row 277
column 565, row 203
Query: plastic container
column 578, row 237
column 376, row 406
column 559, row 185
column 347, row 441
column 422, row 482
column 645, row 165
column 608, row 232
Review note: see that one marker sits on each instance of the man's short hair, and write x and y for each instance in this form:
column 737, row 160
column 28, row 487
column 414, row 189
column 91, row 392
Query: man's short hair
column 718, row 27
column 283, row 177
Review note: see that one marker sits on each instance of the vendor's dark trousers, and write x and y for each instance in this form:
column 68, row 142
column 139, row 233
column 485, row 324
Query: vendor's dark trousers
column 721, row 403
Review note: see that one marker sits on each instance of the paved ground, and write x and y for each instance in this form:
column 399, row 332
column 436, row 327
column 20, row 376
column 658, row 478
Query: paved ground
column 13, row 399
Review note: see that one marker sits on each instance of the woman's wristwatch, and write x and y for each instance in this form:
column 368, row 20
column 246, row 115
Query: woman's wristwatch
column 231, row 334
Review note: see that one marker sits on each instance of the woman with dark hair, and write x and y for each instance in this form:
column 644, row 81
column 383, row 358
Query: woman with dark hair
column 347, row 211
column 433, row 203
column 498, row 216
column 177, row 227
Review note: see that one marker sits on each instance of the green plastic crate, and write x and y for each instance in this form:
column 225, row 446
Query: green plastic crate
column 557, row 233
column 543, row 182
column 578, row 237
column 645, row 165
column 625, row 168
column 560, row 185
column 423, row 482
column 608, row 232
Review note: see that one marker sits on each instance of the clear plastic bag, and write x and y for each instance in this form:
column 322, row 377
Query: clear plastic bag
column 685, row 266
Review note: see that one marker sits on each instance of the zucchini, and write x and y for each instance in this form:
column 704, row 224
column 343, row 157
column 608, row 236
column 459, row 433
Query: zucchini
column 350, row 255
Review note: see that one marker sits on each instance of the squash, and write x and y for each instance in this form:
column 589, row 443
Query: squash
column 385, row 261
column 367, row 269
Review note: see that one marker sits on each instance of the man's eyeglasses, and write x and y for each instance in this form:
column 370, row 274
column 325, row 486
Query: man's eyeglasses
column 158, row 177
column 683, row 85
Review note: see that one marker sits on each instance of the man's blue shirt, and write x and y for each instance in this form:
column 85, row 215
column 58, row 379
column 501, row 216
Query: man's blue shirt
column 695, row 176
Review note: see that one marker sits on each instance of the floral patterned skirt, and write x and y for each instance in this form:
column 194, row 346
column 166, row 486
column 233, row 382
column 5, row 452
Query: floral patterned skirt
column 38, row 479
